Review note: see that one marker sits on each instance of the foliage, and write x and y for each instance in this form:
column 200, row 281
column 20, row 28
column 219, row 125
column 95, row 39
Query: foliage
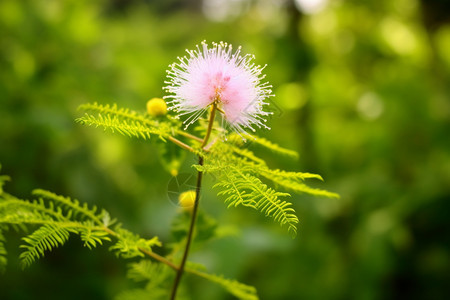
column 57, row 217
column 239, row 290
column 238, row 168
column 361, row 93
column 124, row 121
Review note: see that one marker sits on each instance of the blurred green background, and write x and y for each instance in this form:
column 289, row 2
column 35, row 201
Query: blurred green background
column 362, row 92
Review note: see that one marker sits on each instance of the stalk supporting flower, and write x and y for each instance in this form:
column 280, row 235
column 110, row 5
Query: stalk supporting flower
column 194, row 209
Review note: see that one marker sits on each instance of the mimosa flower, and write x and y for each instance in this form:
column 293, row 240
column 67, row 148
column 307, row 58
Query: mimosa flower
column 217, row 75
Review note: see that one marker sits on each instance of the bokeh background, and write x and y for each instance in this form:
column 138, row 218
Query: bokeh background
column 362, row 93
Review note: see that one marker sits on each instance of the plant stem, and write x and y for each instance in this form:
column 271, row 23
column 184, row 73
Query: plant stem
column 181, row 144
column 190, row 136
column 210, row 124
column 190, row 233
column 195, row 209
column 159, row 258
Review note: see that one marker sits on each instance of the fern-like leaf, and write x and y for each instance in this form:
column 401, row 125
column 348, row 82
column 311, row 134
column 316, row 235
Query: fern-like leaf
column 271, row 146
column 73, row 208
column 130, row 129
column 123, row 113
column 16, row 211
column 143, row 270
column 240, row 171
column 131, row 245
column 154, row 274
column 92, row 236
column 294, row 181
column 142, row 294
column 247, row 190
column 124, row 121
column 239, row 290
column 43, row 239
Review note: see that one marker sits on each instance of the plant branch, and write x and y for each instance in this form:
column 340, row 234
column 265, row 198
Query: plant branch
column 159, row 258
column 181, row 144
column 210, row 124
column 195, row 209
column 190, row 233
column 190, row 136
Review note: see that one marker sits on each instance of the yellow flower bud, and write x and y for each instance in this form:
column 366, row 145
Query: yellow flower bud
column 186, row 200
column 156, row 107
column 174, row 172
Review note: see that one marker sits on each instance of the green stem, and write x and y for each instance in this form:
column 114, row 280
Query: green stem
column 190, row 136
column 210, row 124
column 159, row 258
column 195, row 209
column 181, row 144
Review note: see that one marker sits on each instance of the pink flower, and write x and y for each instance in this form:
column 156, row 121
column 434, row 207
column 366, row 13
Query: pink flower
column 218, row 75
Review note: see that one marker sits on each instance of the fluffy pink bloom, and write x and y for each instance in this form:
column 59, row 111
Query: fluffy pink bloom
column 218, row 75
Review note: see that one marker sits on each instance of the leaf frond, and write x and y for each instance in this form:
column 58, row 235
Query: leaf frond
column 113, row 109
column 241, row 172
column 92, row 236
column 57, row 216
column 125, row 121
column 17, row 211
column 130, row 245
column 142, row 294
column 237, row 289
column 43, row 239
column 244, row 189
column 155, row 275
column 145, row 270
column 270, row 145
column 73, row 207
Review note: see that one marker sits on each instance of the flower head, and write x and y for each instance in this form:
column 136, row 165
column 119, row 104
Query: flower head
column 187, row 200
column 156, row 107
column 219, row 75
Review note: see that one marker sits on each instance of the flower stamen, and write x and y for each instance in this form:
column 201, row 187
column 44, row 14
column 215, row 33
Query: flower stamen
column 218, row 76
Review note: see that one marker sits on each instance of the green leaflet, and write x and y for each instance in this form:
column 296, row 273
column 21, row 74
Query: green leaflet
column 129, row 245
column 124, row 121
column 73, row 208
column 142, row 294
column 247, row 190
column 138, row 125
column 243, row 179
column 239, row 173
column 237, row 289
column 43, row 239
column 124, row 127
column 271, row 146
column 143, row 270
column 154, row 275
column 239, row 170
column 93, row 236
column 56, row 217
